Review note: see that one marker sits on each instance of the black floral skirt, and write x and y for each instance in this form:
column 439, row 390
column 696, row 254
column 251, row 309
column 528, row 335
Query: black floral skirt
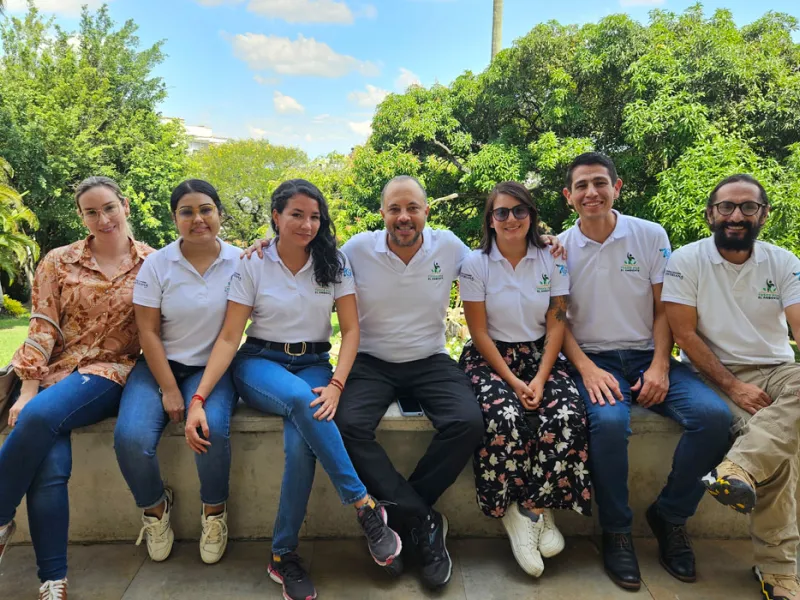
column 536, row 458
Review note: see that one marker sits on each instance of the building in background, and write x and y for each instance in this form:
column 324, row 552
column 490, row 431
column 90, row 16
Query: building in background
column 199, row 136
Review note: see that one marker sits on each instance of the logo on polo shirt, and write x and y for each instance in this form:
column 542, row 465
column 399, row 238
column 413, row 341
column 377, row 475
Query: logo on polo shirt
column 436, row 273
column 797, row 275
column 630, row 265
column 562, row 269
column 677, row 274
column 323, row 290
column 665, row 252
column 544, row 284
column 140, row 283
column 769, row 291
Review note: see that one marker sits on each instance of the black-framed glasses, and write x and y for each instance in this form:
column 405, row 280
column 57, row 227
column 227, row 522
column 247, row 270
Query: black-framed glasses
column 749, row 208
column 520, row 211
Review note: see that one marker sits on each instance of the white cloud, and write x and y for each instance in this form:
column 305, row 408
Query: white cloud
column 64, row 7
column 301, row 11
column 304, row 56
column 640, row 2
column 372, row 97
column 362, row 128
column 286, row 104
column 406, row 79
column 266, row 80
column 257, row 132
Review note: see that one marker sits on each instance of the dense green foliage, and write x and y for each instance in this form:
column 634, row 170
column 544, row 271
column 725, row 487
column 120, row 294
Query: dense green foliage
column 75, row 104
column 16, row 248
column 678, row 103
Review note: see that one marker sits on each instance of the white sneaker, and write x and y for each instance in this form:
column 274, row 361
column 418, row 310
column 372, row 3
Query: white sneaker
column 5, row 537
column 158, row 532
column 215, row 536
column 53, row 590
column 524, row 535
column 552, row 542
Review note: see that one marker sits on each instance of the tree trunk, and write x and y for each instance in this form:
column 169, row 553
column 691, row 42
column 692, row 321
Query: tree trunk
column 497, row 27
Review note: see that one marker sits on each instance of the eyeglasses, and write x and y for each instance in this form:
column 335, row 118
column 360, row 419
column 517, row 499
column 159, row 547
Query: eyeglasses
column 748, row 208
column 520, row 211
column 187, row 212
column 109, row 210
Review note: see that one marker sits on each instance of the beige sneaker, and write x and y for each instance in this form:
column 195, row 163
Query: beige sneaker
column 552, row 542
column 5, row 538
column 53, row 590
column 524, row 535
column 214, row 539
column 158, row 532
column 732, row 486
column 778, row 587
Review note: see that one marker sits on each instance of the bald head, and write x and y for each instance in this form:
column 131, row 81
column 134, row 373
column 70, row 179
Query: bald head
column 406, row 183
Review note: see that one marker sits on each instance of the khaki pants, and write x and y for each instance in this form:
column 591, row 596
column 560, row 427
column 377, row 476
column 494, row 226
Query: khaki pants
column 767, row 447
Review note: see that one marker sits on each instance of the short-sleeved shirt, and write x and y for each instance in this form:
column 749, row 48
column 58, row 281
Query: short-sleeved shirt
column 516, row 299
column 192, row 305
column 402, row 307
column 611, row 284
column 740, row 308
column 288, row 308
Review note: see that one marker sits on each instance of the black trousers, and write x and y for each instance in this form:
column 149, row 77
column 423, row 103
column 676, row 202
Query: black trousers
column 444, row 393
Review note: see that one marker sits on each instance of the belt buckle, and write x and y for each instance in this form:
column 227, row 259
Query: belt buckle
column 286, row 349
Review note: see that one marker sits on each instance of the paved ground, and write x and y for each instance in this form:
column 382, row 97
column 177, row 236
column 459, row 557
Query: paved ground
column 483, row 570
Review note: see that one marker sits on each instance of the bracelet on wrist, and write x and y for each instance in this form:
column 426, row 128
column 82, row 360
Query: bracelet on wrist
column 337, row 384
column 197, row 398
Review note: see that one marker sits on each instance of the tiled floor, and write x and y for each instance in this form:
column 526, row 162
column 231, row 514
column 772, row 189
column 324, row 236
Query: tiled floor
column 483, row 569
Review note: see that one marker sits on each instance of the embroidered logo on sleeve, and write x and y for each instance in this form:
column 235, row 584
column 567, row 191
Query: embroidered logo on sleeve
column 562, row 269
column 665, row 252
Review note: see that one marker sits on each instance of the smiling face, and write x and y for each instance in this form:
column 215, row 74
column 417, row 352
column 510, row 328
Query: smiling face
column 404, row 211
column 197, row 218
column 103, row 213
column 512, row 229
column 593, row 192
column 736, row 231
column 299, row 221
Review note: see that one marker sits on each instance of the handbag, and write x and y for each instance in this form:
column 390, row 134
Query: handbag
column 9, row 378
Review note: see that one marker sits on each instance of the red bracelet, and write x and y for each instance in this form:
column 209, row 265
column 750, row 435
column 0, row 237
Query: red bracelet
column 197, row 397
column 337, row 384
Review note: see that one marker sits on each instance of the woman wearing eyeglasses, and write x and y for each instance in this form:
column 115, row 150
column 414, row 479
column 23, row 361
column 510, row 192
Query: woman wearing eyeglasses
column 535, row 450
column 82, row 344
column 180, row 298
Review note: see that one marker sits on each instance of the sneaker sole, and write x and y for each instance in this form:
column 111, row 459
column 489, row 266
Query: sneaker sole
column 279, row 580
column 388, row 562
column 738, row 495
column 439, row 586
column 533, row 571
column 216, row 559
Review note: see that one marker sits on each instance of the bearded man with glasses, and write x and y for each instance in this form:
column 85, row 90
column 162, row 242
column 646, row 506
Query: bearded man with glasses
column 728, row 299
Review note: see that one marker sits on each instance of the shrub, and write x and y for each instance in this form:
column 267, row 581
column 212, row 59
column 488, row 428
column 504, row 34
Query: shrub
column 13, row 308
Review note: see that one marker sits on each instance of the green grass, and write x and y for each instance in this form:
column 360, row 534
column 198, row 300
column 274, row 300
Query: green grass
column 12, row 332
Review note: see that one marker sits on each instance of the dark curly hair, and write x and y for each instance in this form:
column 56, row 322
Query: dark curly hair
column 328, row 261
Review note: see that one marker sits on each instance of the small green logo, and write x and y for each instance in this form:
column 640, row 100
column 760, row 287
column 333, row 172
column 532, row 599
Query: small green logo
column 630, row 265
column 769, row 291
column 436, row 268
column 544, row 284
column 436, row 273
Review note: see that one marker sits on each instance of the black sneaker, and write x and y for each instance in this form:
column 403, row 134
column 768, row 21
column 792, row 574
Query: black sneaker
column 674, row 547
column 430, row 535
column 384, row 543
column 289, row 572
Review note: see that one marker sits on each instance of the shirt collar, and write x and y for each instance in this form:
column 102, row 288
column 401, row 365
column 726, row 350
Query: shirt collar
column 272, row 253
column 620, row 230
column 497, row 256
column 226, row 251
column 759, row 255
column 80, row 251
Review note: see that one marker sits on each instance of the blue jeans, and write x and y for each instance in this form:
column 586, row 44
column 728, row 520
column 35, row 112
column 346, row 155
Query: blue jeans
column 704, row 417
column 277, row 383
column 142, row 421
column 36, row 460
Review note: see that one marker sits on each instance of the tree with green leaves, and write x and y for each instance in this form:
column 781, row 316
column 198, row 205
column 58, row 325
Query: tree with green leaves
column 75, row 104
column 17, row 249
column 678, row 103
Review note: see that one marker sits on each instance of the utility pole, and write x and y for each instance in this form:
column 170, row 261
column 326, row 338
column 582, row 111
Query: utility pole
column 497, row 27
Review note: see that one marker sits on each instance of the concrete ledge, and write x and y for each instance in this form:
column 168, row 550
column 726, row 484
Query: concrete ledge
column 102, row 508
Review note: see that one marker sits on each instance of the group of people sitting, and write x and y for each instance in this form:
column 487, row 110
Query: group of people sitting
column 564, row 340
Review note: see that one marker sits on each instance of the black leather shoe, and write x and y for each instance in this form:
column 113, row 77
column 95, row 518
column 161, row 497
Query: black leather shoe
column 674, row 547
column 619, row 560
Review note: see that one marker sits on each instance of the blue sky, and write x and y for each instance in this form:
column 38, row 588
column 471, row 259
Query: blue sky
column 308, row 73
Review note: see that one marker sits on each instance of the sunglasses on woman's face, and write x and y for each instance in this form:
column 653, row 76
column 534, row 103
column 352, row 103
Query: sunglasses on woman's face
column 520, row 211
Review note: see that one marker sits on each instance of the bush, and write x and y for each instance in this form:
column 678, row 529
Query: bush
column 13, row 308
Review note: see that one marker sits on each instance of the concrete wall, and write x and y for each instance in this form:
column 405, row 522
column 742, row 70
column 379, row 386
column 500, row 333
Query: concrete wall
column 102, row 508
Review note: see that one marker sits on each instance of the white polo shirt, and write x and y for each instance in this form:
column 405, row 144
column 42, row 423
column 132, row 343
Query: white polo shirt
column 192, row 305
column 287, row 308
column 402, row 307
column 740, row 308
column 516, row 299
column 611, row 290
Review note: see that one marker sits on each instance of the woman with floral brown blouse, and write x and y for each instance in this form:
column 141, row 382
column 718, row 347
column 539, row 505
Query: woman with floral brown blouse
column 73, row 365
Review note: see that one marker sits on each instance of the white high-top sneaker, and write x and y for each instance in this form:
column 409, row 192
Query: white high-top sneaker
column 214, row 539
column 524, row 535
column 158, row 532
column 53, row 590
column 552, row 542
column 5, row 537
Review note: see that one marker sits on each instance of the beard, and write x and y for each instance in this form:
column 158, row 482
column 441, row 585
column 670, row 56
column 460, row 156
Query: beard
column 403, row 244
column 746, row 242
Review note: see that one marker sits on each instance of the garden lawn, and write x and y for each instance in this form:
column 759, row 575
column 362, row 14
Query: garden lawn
column 12, row 332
